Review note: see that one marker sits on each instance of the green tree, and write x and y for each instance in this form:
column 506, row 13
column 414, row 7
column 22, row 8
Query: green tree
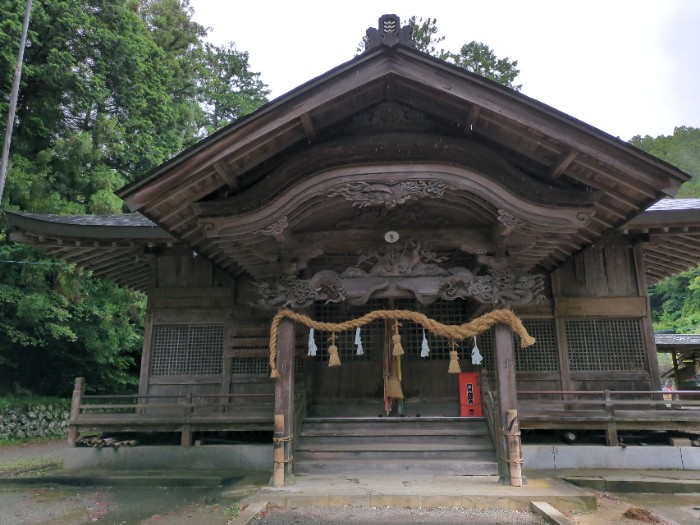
column 675, row 302
column 475, row 57
column 110, row 89
column 58, row 323
column 682, row 149
column 229, row 89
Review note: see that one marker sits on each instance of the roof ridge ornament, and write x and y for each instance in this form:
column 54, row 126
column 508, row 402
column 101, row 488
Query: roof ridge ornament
column 389, row 33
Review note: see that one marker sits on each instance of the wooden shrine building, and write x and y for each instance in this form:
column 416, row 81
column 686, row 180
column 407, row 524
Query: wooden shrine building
column 393, row 181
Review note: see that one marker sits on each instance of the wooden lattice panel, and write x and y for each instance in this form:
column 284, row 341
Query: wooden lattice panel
column 605, row 344
column 543, row 356
column 372, row 334
column 187, row 349
column 446, row 312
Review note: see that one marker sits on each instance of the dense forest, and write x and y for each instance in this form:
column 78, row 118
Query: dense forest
column 111, row 89
column 675, row 302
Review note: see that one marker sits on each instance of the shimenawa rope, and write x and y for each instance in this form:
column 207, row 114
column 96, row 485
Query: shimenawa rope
column 458, row 332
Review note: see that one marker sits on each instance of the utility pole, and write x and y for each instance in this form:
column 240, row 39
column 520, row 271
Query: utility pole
column 13, row 100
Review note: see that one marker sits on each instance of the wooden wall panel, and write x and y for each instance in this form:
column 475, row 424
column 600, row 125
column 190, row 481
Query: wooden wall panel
column 430, row 380
column 605, row 269
column 187, row 290
column 424, row 380
column 184, row 271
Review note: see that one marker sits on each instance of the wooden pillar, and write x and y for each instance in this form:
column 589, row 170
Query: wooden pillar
column 647, row 328
column 284, row 396
column 676, row 376
column 78, row 392
column 508, row 405
column 611, row 438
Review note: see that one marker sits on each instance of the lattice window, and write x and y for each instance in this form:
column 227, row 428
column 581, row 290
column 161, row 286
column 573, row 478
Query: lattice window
column 187, row 349
column 372, row 334
column 543, row 356
column 251, row 365
column 486, row 343
column 605, row 344
column 445, row 312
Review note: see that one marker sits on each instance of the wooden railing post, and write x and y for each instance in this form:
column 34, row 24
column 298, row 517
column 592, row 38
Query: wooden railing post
column 611, row 438
column 508, row 407
column 76, row 400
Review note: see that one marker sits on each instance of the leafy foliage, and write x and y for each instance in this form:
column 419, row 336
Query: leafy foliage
column 475, row 57
column 59, row 324
column 110, row 89
column 682, row 149
column 675, row 302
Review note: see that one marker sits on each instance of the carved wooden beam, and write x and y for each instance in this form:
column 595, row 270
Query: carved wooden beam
column 565, row 159
column 308, row 126
column 473, row 116
column 500, row 289
column 228, row 178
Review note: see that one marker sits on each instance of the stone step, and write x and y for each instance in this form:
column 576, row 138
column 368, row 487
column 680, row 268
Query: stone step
column 465, row 455
column 405, row 442
column 421, row 466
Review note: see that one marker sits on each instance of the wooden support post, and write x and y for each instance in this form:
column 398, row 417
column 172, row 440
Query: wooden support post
column 515, row 452
column 186, row 437
column 77, row 398
column 676, row 376
column 507, row 401
column 278, row 452
column 611, row 425
column 284, row 389
column 647, row 328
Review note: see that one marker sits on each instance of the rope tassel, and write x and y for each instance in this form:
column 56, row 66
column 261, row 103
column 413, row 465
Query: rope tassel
column 393, row 388
column 454, row 359
column 334, row 358
column 396, row 341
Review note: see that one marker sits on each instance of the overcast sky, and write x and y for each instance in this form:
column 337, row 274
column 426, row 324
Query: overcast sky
column 627, row 67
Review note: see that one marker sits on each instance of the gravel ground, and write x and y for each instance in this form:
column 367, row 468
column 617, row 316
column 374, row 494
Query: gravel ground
column 392, row 515
column 152, row 506
column 52, row 450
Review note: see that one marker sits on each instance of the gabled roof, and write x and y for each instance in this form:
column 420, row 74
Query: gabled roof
column 670, row 233
column 239, row 172
column 113, row 247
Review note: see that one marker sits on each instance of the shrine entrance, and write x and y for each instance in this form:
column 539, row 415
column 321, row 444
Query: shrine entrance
column 328, row 441
column 357, row 388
